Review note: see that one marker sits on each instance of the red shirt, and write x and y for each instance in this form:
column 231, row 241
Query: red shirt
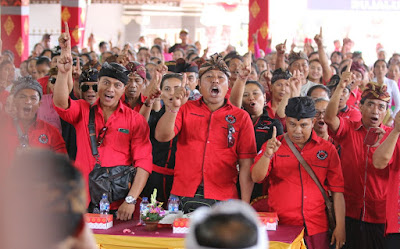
column 354, row 153
column 292, row 193
column 393, row 194
column 351, row 113
column 40, row 135
column 138, row 105
column 126, row 141
column 203, row 154
column 271, row 114
column 43, row 82
column 354, row 99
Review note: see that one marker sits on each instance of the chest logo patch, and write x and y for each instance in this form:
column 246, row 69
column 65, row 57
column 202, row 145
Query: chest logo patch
column 322, row 155
column 230, row 119
column 43, row 139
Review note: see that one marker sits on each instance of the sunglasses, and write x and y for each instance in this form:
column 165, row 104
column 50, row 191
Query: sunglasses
column 231, row 138
column 85, row 87
column 102, row 134
column 52, row 80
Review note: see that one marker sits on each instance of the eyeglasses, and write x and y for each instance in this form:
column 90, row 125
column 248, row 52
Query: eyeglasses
column 52, row 80
column 85, row 87
column 231, row 138
column 102, row 134
column 318, row 113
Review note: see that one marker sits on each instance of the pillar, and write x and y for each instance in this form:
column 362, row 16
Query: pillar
column 74, row 13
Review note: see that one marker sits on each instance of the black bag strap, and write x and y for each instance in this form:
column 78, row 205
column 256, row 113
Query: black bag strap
column 307, row 168
column 92, row 132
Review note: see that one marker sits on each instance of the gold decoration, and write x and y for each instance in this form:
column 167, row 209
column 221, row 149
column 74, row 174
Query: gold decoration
column 26, row 26
column 9, row 26
column 65, row 15
column 255, row 9
column 264, row 30
column 76, row 34
column 19, row 46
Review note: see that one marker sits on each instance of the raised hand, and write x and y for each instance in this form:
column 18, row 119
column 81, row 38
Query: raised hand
column 255, row 35
column 295, row 84
column 273, row 144
column 397, row 122
column 318, row 38
column 245, row 68
column 64, row 63
column 154, row 91
column 281, row 48
column 346, row 78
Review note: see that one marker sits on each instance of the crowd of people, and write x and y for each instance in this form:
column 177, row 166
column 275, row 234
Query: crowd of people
column 210, row 128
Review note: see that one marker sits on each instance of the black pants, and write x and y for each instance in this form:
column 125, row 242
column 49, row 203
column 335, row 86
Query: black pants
column 393, row 241
column 364, row 235
column 189, row 204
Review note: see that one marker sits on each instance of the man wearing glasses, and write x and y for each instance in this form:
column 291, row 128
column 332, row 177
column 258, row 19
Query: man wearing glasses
column 213, row 136
column 122, row 134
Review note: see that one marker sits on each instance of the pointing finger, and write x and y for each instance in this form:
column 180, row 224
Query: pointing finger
column 320, row 31
column 66, row 28
column 284, row 44
column 274, row 132
column 349, row 65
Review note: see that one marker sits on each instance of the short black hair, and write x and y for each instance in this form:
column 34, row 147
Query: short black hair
column 319, row 86
column 102, row 43
column 377, row 61
column 226, row 231
column 257, row 84
column 43, row 60
column 46, row 50
column 338, row 53
column 143, row 48
column 158, row 47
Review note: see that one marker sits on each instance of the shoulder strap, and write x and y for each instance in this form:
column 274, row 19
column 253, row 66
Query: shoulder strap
column 306, row 167
column 92, row 132
column 23, row 138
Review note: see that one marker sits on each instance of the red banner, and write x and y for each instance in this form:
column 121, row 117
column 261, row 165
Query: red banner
column 76, row 19
column 15, row 36
column 258, row 20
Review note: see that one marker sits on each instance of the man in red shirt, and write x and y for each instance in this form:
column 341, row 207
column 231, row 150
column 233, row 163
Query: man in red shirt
column 122, row 134
column 344, row 110
column 24, row 130
column 213, row 136
column 292, row 192
column 387, row 156
column 365, row 186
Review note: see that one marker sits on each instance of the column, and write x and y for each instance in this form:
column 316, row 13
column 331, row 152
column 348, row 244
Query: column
column 74, row 13
column 15, row 28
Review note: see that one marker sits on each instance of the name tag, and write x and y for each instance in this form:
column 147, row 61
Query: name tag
column 126, row 131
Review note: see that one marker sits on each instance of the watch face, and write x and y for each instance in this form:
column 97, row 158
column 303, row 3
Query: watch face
column 129, row 199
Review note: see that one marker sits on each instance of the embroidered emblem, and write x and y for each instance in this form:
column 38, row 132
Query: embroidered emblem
column 43, row 139
column 322, row 155
column 230, row 119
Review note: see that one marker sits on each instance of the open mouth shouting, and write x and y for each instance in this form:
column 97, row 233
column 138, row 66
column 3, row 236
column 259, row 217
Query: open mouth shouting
column 321, row 123
column 108, row 97
column 214, row 92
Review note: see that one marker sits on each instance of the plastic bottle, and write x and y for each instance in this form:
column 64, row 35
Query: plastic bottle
column 173, row 205
column 143, row 207
column 104, row 204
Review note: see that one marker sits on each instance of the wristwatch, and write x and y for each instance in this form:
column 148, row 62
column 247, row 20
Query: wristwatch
column 130, row 199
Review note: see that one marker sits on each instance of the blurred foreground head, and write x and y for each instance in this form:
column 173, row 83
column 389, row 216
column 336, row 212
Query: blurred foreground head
column 44, row 203
column 231, row 224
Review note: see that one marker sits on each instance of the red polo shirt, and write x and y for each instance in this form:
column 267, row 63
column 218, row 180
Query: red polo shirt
column 393, row 193
column 40, row 135
column 292, row 193
column 354, row 153
column 351, row 113
column 355, row 97
column 203, row 154
column 126, row 141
